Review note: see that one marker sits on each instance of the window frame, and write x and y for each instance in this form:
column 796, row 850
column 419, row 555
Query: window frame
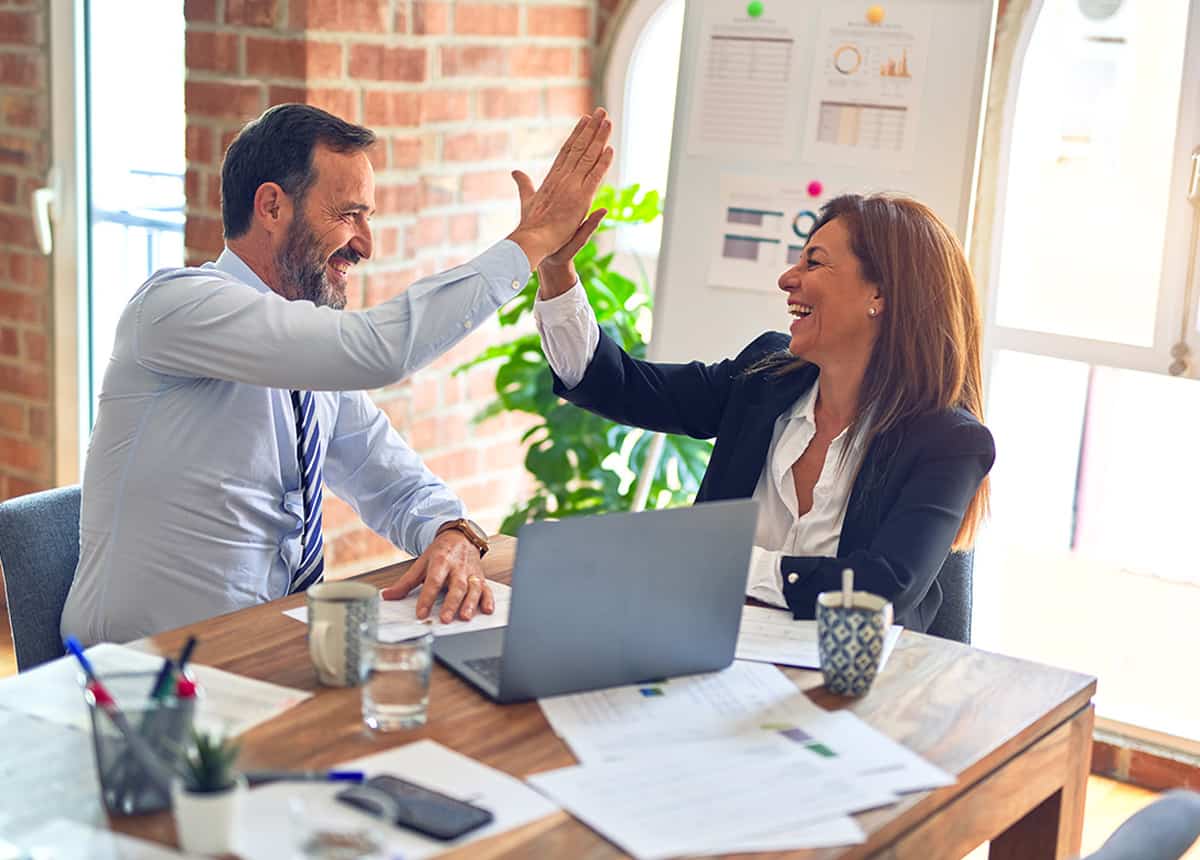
column 634, row 253
column 1175, row 322
column 627, row 32
column 72, row 396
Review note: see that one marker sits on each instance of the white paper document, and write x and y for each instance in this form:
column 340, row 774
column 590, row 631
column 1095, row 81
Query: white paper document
column 621, row 721
column 868, row 85
column 279, row 818
column 44, row 766
column 233, row 704
column 764, row 224
column 850, row 744
column 745, row 81
column 744, row 704
column 683, row 800
column 773, row 636
column 399, row 617
column 829, row 833
column 228, row 703
column 856, row 750
column 62, row 838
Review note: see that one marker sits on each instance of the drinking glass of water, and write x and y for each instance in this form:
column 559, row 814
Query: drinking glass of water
column 396, row 694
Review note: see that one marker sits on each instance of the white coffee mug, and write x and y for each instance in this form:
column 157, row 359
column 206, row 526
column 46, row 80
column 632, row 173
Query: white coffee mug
column 342, row 620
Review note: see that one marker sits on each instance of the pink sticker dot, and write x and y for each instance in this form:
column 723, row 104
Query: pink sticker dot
column 815, row 188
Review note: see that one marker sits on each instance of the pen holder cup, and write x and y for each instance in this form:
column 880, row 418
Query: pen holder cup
column 128, row 784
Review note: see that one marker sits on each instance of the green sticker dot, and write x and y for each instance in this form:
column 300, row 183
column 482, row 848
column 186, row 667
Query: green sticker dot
column 755, row 9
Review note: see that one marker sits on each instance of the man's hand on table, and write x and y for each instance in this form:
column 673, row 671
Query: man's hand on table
column 451, row 562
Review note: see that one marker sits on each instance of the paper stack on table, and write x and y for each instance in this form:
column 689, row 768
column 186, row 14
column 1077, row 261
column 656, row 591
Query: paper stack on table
column 720, row 798
column 278, row 817
column 229, row 703
column 744, row 736
column 773, row 636
column 399, row 617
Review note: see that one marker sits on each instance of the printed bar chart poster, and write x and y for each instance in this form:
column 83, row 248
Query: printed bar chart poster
column 746, row 81
column 765, row 222
column 868, row 84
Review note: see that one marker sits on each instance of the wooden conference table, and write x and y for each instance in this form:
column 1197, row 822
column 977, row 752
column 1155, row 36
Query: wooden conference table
column 1018, row 735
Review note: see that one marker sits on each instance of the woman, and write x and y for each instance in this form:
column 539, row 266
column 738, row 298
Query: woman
column 859, row 434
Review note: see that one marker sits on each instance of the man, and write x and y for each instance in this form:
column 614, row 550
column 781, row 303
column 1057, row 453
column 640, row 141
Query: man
column 235, row 390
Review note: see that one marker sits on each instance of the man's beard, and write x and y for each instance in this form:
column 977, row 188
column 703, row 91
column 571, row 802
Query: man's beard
column 302, row 271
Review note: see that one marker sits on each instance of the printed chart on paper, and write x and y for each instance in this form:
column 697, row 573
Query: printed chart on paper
column 867, row 87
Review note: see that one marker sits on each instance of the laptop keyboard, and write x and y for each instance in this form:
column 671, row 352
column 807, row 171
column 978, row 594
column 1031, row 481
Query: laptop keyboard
column 488, row 667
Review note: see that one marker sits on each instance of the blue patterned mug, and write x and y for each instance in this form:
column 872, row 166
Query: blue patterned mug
column 850, row 639
column 342, row 620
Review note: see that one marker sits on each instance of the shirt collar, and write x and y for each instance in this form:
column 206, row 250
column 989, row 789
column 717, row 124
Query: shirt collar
column 805, row 408
column 233, row 265
column 805, row 405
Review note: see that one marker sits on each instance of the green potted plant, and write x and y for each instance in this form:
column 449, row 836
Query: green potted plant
column 582, row 463
column 208, row 798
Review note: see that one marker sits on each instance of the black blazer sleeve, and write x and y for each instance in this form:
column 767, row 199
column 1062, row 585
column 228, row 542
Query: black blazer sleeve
column 914, row 533
column 667, row 398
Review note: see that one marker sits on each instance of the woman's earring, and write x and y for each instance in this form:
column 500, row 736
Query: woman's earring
column 872, row 312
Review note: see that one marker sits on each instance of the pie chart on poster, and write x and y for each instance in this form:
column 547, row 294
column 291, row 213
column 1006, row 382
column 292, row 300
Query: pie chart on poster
column 847, row 59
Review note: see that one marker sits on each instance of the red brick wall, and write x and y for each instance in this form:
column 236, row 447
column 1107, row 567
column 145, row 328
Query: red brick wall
column 459, row 94
column 26, row 444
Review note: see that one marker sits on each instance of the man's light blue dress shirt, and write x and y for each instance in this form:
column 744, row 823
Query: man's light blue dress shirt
column 191, row 492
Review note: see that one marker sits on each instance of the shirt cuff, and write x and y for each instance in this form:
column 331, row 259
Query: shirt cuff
column 561, row 308
column 428, row 530
column 765, row 580
column 506, row 269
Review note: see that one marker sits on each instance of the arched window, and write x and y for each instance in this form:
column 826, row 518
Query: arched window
column 642, row 70
column 1093, row 242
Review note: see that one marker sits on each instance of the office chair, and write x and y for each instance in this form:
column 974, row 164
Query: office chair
column 1164, row 830
column 953, row 620
column 39, row 549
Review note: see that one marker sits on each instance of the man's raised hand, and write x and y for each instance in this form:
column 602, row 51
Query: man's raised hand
column 552, row 213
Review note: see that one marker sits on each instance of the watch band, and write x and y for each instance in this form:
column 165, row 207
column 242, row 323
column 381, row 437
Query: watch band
column 470, row 531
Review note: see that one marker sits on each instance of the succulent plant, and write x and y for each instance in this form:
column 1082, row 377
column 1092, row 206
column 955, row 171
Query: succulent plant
column 209, row 762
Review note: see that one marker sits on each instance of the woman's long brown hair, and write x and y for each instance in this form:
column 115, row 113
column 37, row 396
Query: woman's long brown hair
column 926, row 357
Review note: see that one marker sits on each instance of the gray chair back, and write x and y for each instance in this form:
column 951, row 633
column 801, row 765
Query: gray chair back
column 953, row 620
column 39, row 550
column 1164, row 830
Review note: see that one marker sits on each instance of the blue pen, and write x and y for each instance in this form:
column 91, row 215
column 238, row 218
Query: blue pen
column 74, row 646
column 257, row 777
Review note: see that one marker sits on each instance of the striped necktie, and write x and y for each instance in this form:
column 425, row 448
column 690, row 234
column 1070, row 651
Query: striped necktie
column 308, row 455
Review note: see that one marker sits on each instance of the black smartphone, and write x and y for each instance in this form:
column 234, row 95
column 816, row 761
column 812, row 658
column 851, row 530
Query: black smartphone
column 416, row 807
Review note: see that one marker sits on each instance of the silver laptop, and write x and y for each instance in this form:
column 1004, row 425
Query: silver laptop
column 614, row 599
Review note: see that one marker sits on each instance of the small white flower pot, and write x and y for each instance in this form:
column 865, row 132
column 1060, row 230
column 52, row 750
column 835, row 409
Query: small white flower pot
column 207, row 823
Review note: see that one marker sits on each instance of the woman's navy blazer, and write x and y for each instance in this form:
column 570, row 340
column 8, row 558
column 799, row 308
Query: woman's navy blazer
column 908, row 499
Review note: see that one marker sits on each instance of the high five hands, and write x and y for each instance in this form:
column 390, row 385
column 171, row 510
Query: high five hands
column 554, row 216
